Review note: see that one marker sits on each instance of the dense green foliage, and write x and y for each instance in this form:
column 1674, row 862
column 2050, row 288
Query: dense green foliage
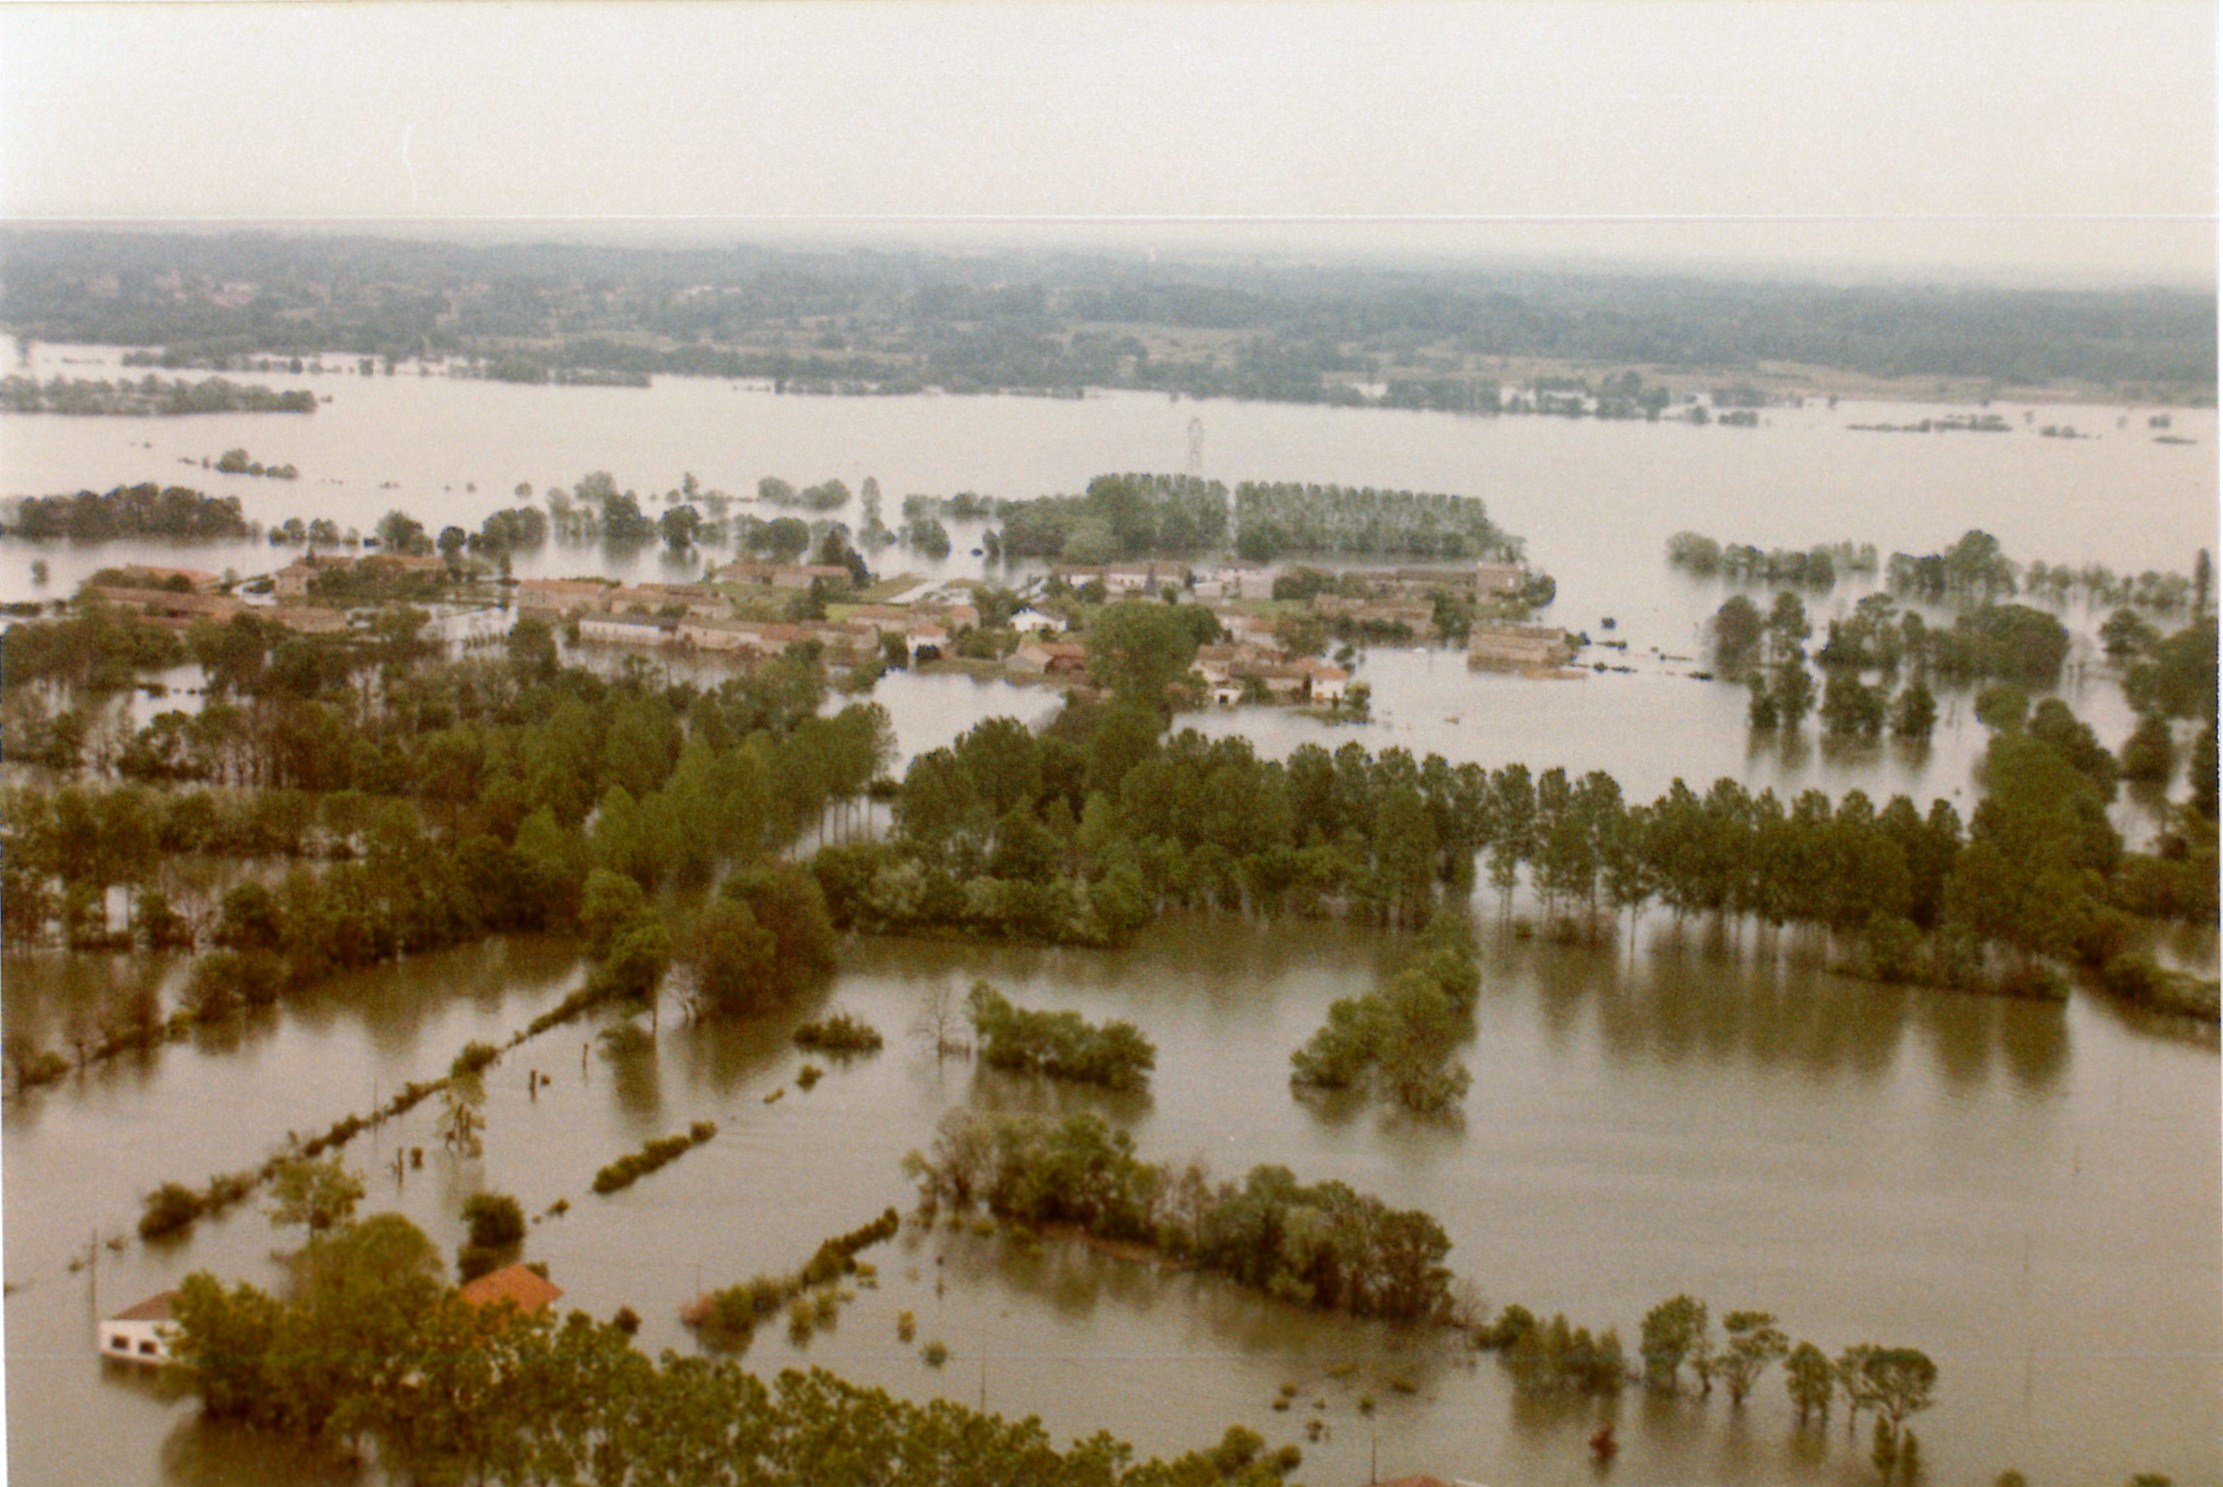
column 1060, row 1044
column 130, row 511
column 1336, row 520
column 1080, row 834
column 1398, row 1040
column 496, row 1228
column 1322, row 1245
column 372, row 1348
column 95, row 651
column 1120, row 516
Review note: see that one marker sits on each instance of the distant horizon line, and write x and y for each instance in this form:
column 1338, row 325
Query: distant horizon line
column 945, row 231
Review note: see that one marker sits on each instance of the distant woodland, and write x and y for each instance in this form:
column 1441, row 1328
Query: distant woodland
column 898, row 321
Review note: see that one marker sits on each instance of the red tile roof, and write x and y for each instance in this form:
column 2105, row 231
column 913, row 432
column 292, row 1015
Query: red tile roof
column 528, row 1289
column 153, row 1309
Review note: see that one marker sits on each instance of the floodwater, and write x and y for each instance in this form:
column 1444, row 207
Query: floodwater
column 2029, row 1193
column 1594, row 501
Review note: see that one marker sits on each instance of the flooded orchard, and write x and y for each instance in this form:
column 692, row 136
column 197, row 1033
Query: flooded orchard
column 2029, row 1192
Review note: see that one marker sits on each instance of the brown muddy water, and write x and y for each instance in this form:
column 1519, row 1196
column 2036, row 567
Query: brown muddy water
column 2029, row 1193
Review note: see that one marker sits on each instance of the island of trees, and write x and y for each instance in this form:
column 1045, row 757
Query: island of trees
column 149, row 396
column 129, row 511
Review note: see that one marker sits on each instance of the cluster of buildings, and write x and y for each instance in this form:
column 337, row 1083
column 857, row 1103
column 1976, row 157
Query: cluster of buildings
column 175, row 598
column 1231, row 672
column 700, row 616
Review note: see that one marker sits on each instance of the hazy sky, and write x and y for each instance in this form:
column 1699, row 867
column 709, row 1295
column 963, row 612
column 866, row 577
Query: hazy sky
column 2048, row 137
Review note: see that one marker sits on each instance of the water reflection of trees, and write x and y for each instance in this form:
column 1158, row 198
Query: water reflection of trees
column 1076, row 1283
column 1702, row 996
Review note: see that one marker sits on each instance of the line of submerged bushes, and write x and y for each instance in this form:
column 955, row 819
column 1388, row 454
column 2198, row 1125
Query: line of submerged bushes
column 728, row 1318
column 174, row 1207
column 635, row 1165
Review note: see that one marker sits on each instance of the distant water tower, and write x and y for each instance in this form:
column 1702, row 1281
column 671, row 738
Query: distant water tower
column 1196, row 447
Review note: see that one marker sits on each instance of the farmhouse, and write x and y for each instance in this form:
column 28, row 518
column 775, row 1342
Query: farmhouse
column 140, row 1333
column 1325, row 680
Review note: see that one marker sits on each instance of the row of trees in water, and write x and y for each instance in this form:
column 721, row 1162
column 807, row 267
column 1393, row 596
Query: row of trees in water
column 148, row 396
column 1973, row 569
column 1814, row 568
column 1082, row 833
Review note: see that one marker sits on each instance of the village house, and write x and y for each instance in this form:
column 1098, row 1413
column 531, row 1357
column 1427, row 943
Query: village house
column 1122, row 580
column 699, row 600
column 1324, row 680
column 922, row 636
column 721, row 635
column 1034, row 622
column 519, row 1285
column 1230, row 670
column 887, row 619
column 1244, row 627
column 1047, row 658
column 292, row 581
column 1519, row 647
column 1235, row 581
column 142, row 1333
column 560, row 595
column 952, row 616
column 1145, row 578
column 625, row 629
